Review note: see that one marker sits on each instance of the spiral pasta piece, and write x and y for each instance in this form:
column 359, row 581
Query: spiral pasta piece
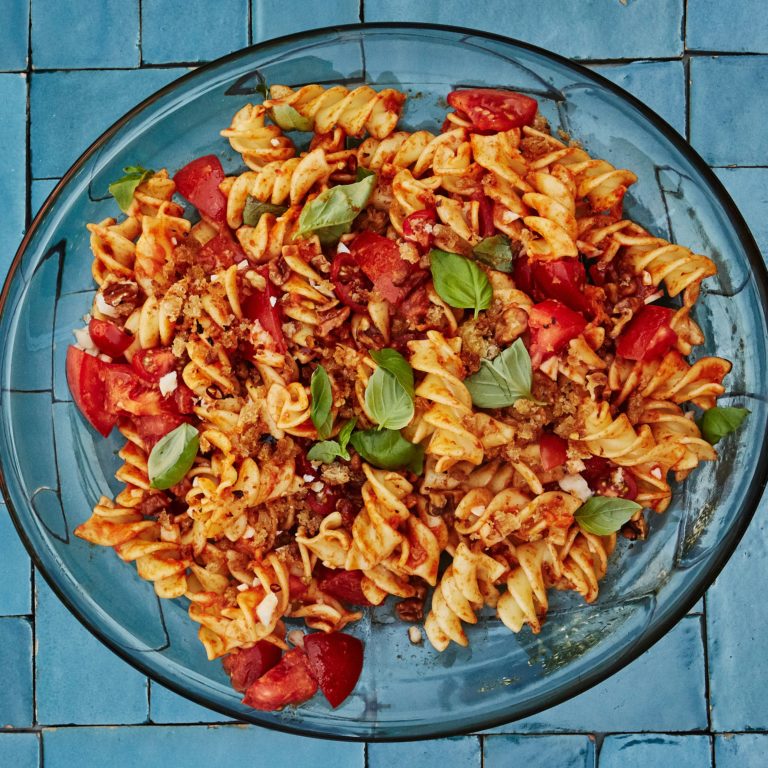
column 257, row 142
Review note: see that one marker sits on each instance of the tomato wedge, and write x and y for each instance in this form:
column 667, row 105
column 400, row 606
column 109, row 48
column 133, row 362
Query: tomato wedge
column 322, row 502
column 289, row 682
column 418, row 228
column 563, row 280
column 350, row 282
column 220, row 252
column 553, row 449
column 599, row 473
column 110, row 339
column 198, row 182
column 85, row 376
column 153, row 427
column 336, row 660
column 491, row 109
column 246, row 666
column 262, row 306
column 152, row 364
column 648, row 335
column 487, row 227
column 343, row 585
column 379, row 258
column 552, row 326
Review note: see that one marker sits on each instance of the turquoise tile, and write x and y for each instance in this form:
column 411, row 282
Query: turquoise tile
column 63, row 127
column 673, row 698
column 535, row 751
column 20, row 750
column 84, row 34
column 13, row 97
column 712, row 25
column 165, row 706
column 736, row 622
column 463, row 751
column 660, row 85
column 274, row 18
column 16, row 689
column 589, row 29
column 14, row 34
column 15, row 570
column 103, row 690
column 207, row 32
column 655, row 749
column 727, row 123
column 234, row 746
column 743, row 750
column 749, row 189
column 41, row 188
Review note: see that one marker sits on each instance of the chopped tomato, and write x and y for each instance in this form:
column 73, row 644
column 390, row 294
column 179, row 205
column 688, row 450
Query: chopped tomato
column 487, row 227
column 553, row 450
column 563, row 280
column 110, row 339
column 220, row 252
column 379, row 258
column 262, row 306
column 153, row 427
column 199, row 182
column 85, row 376
column 152, row 364
column 418, row 228
column 184, row 398
column 336, row 660
column 607, row 479
column 289, row 682
column 246, row 666
column 343, row 585
column 322, row 502
column 490, row 109
column 523, row 276
column 350, row 282
column 552, row 326
column 648, row 335
column 296, row 587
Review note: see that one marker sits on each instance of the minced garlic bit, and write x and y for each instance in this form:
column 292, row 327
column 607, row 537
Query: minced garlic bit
column 342, row 248
column 241, row 265
column 265, row 610
column 168, row 383
column 85, row 342
column 576, row 485
column 242, row 587
column 104, row 308
column 415, row 636
column 250, row 532
column 296, row 637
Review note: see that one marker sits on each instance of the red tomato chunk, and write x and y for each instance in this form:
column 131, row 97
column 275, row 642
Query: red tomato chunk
column 379, row 258
column 336, row 660
column 289, row 682
column 246, row 666
column 86, row 383
column 553, row 450
column 262, row 306
column 199, row 183
column 110, row 339
column 648, row 335
column 418, row 228
column 494, row 110
column 552, row 326
column 343, row 585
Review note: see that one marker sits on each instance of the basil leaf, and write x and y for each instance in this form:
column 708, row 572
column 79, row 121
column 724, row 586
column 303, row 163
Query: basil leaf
column 460, row 282
column 288, row 119
column 391, row 360
column 364, row 173
column 255, row 209
column 388, row 449
column 344, row 434
column 496, row 253
column 172, row 456
column 387, row 402
column 322, row 401
column 331, row 213
column 718, row 422
column 504, row 380
column 122, row 189
column 604, row 515
column 328, row 450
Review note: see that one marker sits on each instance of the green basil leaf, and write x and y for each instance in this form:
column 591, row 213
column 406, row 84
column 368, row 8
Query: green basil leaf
column 604, row 515
column 344, row 434
column 331, row 213
column 285, row 116
column 496, row 253
column 718, row 422
column 387, row 402
column 172, row 456
column 504, row 380
column 326, row 451
column 122, row 189
column 364, row 173
column 460, row 282
column 322, row 402
column 388, row 449
column 391, row 360
column 255, row 209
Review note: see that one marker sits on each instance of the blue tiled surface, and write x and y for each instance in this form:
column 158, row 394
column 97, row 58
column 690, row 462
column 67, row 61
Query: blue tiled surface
column 698, row 698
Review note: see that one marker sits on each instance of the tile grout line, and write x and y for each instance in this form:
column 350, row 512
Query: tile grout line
column 250, row 23
column 141, row 35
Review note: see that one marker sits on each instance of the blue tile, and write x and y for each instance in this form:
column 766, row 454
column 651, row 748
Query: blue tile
column 749, row 189
column 274, row 18
column 81, row 33
column 15, row 570
column 14, row 34
column 439, row 753
column 671, row 699
column 20, row 750
column 743, row 750
column 658, row 84
column 205, row 34
column 589, row 29
column 13, row 97
column 41, row 188
column 16, row 690
column 69, row 690
column 236, row 746
column 63, row 127
column 728, row 125
column 168, row 707
column 712, row 25
column 655, row 749
column 560, row 751
column 736, row 622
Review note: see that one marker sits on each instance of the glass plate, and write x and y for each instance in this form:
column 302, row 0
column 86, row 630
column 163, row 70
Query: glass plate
column 54, row 466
